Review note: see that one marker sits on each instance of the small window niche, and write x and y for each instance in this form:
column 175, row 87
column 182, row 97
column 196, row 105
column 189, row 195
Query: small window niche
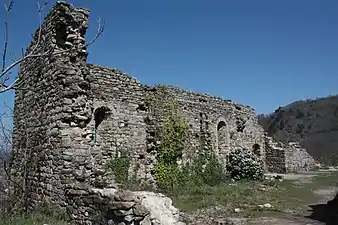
column 256, row 148
column 100, row 114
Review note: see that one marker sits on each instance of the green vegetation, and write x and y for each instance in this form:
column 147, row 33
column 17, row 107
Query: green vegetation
column 205, row 170
column 44, row 213
column 119, row 165
column 171, row 136
column 37, row 219
column 229, row 195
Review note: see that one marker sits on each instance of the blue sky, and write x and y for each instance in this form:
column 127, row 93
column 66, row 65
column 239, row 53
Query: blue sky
column 261, row 53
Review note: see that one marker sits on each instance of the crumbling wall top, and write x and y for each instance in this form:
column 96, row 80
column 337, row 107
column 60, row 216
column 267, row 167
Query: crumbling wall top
column 64, row 27
column 62, row 5
column 177, row 91
column 112, row 71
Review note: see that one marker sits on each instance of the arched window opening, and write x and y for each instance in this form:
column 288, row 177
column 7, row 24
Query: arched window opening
column 61, row 34
column 222, row 137
column 256, row 148
column 221, row 125
column 100, row 114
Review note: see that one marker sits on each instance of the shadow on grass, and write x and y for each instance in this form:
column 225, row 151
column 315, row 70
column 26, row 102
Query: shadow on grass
column 327, row 213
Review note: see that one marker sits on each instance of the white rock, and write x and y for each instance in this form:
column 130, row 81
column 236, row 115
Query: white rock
column 267, row 205
column 160, row 207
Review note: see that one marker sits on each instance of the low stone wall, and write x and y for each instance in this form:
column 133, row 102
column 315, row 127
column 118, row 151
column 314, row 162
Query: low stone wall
column 104, row 206
column 286, row 158
column 91, row 206
column 297, row 158
column 274, row 156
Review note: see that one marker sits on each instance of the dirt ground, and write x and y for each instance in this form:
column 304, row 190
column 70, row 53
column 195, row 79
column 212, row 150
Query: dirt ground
column 320, row 187
column 324, row 194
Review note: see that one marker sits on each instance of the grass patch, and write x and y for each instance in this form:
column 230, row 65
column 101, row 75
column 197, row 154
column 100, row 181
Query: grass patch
column 30, row 220
column 326, row 179
column 248, row 195
column 298, row 194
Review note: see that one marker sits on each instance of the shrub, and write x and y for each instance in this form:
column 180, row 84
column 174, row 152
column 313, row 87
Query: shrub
column 213, row 172
column 168, row 176
column 243, row 164
column 205, row 169
column 119, row 165
column 171, row 136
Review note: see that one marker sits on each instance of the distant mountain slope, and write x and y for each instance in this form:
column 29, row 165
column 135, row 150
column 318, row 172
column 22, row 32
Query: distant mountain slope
column 313, row 123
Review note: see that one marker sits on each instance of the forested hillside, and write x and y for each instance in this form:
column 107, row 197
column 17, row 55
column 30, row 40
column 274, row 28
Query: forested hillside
column 314, row 123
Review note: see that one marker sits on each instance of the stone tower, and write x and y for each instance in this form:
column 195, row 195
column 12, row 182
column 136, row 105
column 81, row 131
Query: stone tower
column 52, row 102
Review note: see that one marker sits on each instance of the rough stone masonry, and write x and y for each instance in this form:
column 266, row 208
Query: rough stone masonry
column 71, row 117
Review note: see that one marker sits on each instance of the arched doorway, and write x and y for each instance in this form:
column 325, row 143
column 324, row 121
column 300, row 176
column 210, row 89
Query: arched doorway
column 222, row 138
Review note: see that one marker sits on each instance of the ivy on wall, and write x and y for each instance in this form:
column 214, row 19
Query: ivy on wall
column 172, row 135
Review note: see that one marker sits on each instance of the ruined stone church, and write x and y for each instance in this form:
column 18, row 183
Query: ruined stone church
column 72, row 117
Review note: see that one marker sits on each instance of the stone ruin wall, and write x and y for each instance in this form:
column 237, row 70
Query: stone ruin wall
column 125, row 128
column 275, row 154
column 122, row 127
column 73, row 116
column 226, row 124
column 297, row 158
column 286, row 158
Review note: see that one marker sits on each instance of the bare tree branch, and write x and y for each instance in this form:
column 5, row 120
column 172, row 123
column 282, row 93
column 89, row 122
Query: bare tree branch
column 4, row 54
